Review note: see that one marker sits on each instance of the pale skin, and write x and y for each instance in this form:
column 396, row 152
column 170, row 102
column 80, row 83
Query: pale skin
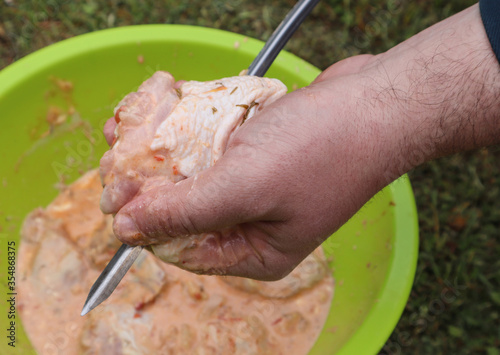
column 301, row 168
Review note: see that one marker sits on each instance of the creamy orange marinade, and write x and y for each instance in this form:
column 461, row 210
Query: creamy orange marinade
column 157, row 308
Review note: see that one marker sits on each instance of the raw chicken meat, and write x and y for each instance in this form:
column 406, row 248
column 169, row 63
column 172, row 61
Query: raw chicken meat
column 157, row 308
column 64, row 248
column 164, row 134
column 308, row 273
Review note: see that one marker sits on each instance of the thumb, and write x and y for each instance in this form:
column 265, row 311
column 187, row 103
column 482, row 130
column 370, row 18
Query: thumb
column 211, row 200
column 215, row 203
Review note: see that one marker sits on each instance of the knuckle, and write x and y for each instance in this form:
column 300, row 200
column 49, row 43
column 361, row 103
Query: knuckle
column 175, row 219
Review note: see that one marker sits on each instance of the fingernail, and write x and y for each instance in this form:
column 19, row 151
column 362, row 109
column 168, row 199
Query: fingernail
column 125, row 228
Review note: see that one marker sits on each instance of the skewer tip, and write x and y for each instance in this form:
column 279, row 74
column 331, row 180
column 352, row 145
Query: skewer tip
column 86, row 309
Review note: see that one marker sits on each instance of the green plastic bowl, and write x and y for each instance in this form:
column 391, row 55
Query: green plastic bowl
column 373, row 256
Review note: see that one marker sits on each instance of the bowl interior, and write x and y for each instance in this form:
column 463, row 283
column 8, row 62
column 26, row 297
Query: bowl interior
column 373, row 256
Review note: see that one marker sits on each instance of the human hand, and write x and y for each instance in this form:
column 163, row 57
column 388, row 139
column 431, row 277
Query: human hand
column 259, row 165
column 298, row 170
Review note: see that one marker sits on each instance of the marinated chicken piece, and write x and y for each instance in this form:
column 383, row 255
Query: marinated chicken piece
column 82, row 223
column 115, row 330
column 146, row 280
column 164, row 135
column 308, row 273
column 233, row 332
column 210, row 307
column 196, row 133
column 180, row 339
column 126, row 167
column 195, row 290
column 291, row 323
column 64, row 248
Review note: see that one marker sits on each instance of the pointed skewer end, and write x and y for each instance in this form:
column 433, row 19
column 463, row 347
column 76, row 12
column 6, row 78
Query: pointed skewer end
column 86, row 309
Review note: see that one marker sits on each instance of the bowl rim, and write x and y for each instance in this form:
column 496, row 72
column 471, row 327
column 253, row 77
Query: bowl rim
column 382, row 318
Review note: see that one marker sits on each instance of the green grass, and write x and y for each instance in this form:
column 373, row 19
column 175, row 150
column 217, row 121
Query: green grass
column 454, row 307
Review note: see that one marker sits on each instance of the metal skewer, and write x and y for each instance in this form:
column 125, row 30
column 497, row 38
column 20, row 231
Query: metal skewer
column 280, row 37
column 126, row 255
column 111, row 276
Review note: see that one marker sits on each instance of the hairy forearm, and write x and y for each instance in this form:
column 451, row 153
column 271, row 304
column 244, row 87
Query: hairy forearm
column 437, row 93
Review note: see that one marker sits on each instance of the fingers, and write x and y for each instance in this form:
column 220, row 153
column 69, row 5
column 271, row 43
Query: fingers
column 179, row 83
column 208, row 224
column 214, row 199
column 240, row 251
column 109, row 130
